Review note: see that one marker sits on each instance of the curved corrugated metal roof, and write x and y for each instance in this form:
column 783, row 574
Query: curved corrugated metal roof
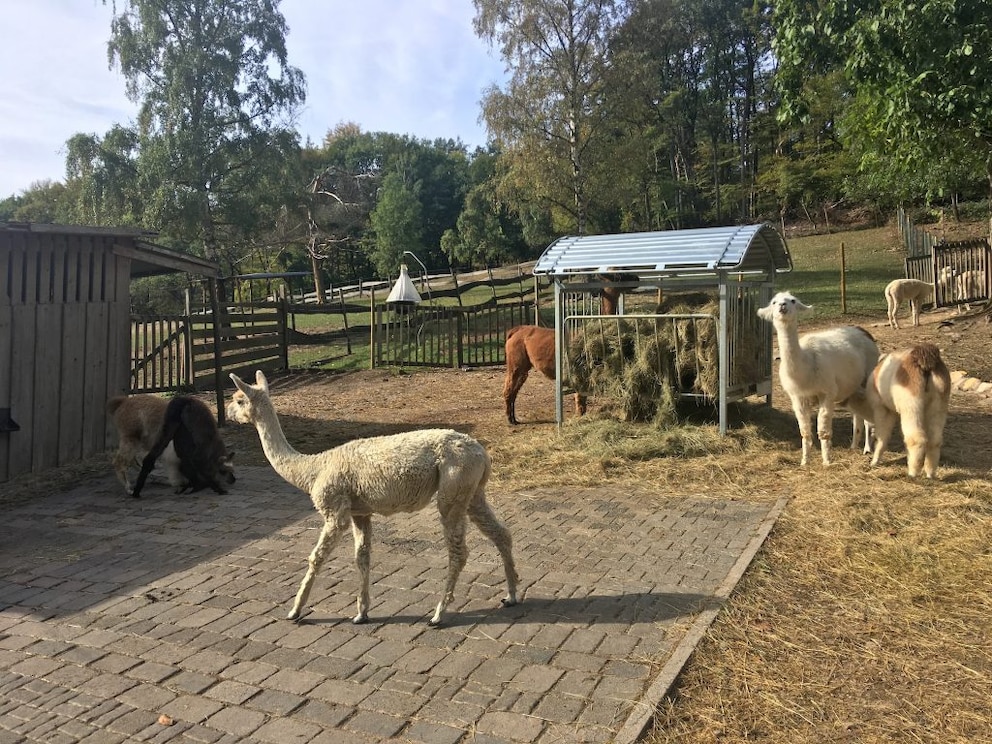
column 741, row 248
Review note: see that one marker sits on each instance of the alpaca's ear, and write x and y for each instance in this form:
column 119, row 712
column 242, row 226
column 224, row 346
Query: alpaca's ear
column 239, row 383
column 765, row 313
column 261, row 382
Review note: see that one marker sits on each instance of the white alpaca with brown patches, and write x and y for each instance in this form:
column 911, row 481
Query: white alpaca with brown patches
column 382, row 475
column 819, row 370
column 914, row 387
column 912, row 291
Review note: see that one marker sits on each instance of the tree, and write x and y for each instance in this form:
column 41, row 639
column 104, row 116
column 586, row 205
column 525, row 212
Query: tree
column 552, row 120
column 216, row 97
column 104, row 172
column 488, row 232
column 918, row 72
column 398, row 223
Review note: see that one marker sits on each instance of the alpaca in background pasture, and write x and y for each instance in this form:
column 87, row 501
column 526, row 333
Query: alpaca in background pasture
column 203, row 459
column 530, row 347
column 969, row 285
column 912, row 291
column 914, row 386
column 138, row 420
column 382, row 475
column 819, row 369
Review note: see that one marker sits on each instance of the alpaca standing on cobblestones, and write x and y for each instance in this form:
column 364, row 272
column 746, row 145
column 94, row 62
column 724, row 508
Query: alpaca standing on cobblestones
column 382, row 475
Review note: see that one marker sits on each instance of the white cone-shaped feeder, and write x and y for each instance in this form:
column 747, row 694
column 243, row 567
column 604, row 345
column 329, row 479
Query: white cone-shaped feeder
column 403, row 293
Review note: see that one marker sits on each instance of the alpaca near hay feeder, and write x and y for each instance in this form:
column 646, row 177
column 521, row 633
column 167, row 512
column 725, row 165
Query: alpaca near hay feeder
column 709, row 348
column 820, row 370
column 382, row 475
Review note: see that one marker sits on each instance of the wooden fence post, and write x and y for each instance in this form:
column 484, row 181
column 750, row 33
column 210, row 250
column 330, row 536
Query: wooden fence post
column 216, row 290
column 843, row 280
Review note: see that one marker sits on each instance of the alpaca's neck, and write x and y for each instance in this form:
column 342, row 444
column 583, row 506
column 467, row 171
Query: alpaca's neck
column 794, row 358
column 293, row 466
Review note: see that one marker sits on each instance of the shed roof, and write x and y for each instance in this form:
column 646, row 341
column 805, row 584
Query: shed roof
column 739, row 248
column 147, row 259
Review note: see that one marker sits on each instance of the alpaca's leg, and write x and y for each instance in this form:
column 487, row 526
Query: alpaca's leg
column 515, row 379
column 453, row 526
column 935, row 441
column 580, row 404
column 893, row 308
column 803, row 418
column 122, row 461
column 482, row 516
column 361, row 528
column 824, row 429
column 932, row 458
column 915, row 439
column 329, row 535
column 885, row 422
column 914, row 306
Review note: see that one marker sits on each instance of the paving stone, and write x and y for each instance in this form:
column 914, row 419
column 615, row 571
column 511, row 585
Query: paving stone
column 237, row 720
column 95, row 648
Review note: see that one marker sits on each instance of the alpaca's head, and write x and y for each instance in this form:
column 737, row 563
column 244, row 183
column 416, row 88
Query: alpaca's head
column 246, row 400
column 784, row 308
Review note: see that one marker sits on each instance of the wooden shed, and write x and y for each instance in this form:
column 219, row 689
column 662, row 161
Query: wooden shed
column 64, row 335
column 736, row 264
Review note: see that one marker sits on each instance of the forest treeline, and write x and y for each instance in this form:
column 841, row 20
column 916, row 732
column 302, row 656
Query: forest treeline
column 617, row 115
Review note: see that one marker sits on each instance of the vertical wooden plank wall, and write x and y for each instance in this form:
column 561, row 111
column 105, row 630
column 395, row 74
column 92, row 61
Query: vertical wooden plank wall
column 63, row 333
column 22, row 355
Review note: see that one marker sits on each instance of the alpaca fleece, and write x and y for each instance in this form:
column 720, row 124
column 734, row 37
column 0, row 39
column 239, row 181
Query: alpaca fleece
column 138, row 420
column 819, row 369
column 203, row 459
column 382, row 475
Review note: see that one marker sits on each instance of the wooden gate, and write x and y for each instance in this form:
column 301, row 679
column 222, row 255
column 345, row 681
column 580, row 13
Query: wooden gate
column 176, row 353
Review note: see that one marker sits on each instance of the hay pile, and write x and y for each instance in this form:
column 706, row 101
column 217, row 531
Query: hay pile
column 644, row 365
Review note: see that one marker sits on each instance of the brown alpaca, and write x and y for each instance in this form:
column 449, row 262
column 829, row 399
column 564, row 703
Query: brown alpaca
column 203, row 459
column 528, row 347
column 138, row 419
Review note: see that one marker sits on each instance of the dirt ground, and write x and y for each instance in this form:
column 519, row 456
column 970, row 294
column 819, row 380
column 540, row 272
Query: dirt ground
column 324, row 410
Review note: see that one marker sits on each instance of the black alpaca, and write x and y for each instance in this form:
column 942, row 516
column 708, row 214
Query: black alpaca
column 203, row 458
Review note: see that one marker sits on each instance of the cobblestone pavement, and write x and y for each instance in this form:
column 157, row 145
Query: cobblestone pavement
column 163, row 620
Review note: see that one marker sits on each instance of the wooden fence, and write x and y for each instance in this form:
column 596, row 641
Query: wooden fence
column 176, row 353
column 445, row 337
column 959, row 271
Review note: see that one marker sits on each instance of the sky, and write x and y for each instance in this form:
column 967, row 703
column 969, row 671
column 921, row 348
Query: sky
column 411, row 67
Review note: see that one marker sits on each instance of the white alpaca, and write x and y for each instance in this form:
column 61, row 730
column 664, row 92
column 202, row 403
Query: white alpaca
column 913, row 385
column 913, row 291
column 820, row 369
column 382, row 475
column 138, row 420
column 969, row 285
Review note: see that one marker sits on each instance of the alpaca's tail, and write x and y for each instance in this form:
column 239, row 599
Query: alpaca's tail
column 514, row 330
column 926, row 358
column 114, row 403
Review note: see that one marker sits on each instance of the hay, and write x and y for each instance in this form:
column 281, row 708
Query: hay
column 645, row 365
